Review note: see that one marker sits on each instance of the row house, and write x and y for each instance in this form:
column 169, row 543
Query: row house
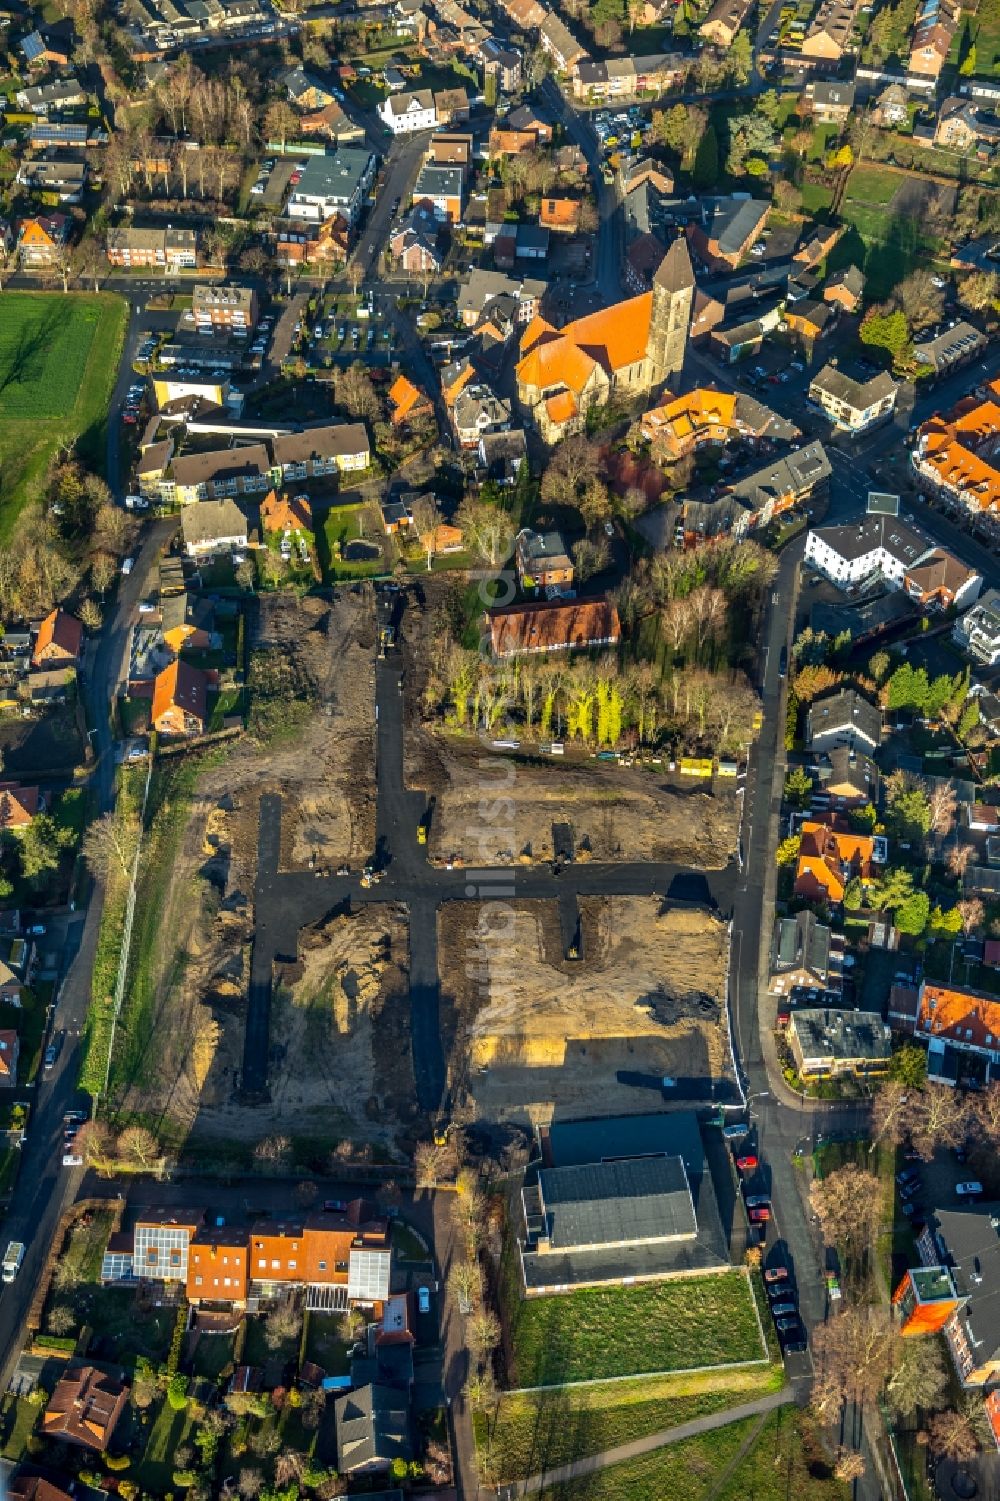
column 625, row 78
column 318, row 452
column 934, row 28
column 341, row 1259
column 168, row 249
column 723, row 21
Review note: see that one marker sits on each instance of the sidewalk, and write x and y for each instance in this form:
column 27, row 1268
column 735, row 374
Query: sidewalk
column 595, row 1462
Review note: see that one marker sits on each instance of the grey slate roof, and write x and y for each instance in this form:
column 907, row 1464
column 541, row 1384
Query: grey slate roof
column 857, row 539
column 968, row 1241
column 372, row 1424
column 796, row 473
column 801, row 942
column 841, row 710
column 675, row 272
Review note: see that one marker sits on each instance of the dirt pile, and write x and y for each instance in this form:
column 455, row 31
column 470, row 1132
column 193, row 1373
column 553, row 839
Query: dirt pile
column 533, row 1033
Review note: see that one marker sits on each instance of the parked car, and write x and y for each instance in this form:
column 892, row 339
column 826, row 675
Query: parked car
column 778, row 1291
column 49, row 1061
column 736, row 1131
column 760, row 1214
column 784, row 1310
column 776, row 1274
column 968, row 1190
column 423, row 1300
column 754, row 1201
column 747, row 1163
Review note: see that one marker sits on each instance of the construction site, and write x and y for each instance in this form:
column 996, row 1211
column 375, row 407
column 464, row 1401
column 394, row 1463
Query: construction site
column 535, row 1034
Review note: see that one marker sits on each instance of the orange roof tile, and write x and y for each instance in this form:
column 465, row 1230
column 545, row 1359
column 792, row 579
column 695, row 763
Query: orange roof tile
column 559, row 213
column 405, row 398
column 553, row 627
column 18, row 805
column 279, row 513
column 943, row 1011
column 538, row 328
column 59, row 634
column 561, row 407
column 180, row 686
column 613, row 337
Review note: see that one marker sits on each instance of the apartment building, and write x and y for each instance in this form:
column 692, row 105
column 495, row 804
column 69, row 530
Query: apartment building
column 877, row 549
column 225, row 307
column 333, row 184
column 954, row 457
column 853, row 406
column 977, row 632
column 336, row 448
column 168, row 249
column 625, row 78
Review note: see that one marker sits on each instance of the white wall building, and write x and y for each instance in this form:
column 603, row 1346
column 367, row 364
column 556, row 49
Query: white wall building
column 405, row 113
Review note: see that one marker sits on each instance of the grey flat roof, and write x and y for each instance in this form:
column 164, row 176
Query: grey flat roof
column 616, row 1203
column 674, row 1133
column 840, row 1034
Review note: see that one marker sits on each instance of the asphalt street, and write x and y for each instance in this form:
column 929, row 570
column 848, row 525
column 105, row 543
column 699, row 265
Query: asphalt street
column 44, row 1187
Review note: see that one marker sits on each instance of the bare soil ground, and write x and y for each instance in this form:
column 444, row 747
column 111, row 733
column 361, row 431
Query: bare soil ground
column 534, row 1035
column 340, row 1040
column 334, row 1056
column 614, row 812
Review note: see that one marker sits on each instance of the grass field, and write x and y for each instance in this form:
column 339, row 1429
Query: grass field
column 871, row 185
column 527, row 1434
column 769, row 1461
column 58, row 363
column 670, row 1326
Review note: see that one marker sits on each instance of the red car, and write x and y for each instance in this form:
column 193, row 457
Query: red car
column 746, row 1164
column 776, row 1274
column 760, row 1216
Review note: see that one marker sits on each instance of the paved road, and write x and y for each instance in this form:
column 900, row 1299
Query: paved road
column 581, row 1468
column 611, row 218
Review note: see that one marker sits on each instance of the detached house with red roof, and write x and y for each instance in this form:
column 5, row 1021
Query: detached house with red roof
column 59, row 640
column 831, row 855
column 577, row 626
column 630, row 348
column 18, row 806
column 180, row 695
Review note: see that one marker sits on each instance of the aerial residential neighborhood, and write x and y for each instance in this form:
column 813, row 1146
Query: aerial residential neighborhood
column 500, row 749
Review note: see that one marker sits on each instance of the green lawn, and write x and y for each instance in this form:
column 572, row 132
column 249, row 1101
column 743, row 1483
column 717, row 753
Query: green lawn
column 19, row 1418
column 213, row 1353
column 816, row 197
column 529, row 1433
column 871, row 185
column 86, row 1244
column 822, row 137
column 325, row 1345
column 786, row 1460
column 670, row 1326
column 407, row 1245
column 58, row 362
column 690, row 1469
column 167, row 1432
column 782, row 1459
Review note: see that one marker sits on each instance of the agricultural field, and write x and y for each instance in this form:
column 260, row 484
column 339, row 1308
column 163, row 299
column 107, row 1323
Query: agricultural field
column 527, row 1433
column 58, row 363
column 595, row 1334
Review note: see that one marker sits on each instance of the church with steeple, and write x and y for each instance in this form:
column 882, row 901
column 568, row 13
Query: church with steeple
column 630, row 349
